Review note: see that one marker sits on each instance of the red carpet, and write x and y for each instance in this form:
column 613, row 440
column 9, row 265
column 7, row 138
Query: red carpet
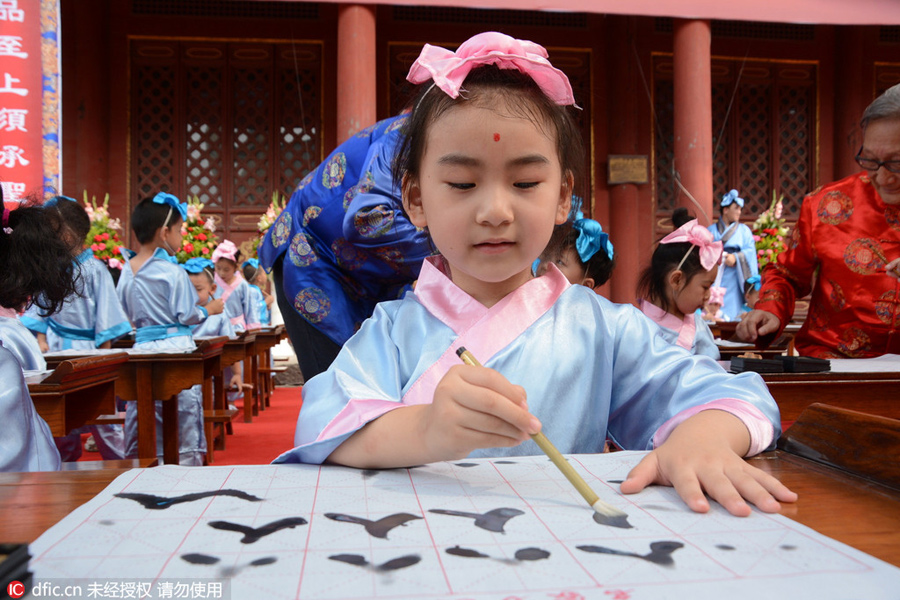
column 270, row 433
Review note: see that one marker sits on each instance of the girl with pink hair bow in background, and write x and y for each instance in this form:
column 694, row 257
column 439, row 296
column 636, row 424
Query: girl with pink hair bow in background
column 676, row 285
column 488, row 169
column 234, row 289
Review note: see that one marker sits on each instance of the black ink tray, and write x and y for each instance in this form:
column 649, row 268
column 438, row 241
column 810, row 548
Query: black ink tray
column 805, row 364
column 14, row 565
column 739, row 364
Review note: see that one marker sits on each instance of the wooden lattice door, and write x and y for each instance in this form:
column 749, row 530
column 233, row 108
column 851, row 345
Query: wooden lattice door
column 230, row 123
column 764, row 132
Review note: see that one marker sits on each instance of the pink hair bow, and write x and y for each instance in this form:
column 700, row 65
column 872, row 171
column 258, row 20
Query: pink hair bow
column 716, row 295
column 694, row 233
column 226, row 249
column 449, row 69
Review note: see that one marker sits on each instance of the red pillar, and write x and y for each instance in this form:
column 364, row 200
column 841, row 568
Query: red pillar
column 624, row 198
column 355, row 69
column 693, row 116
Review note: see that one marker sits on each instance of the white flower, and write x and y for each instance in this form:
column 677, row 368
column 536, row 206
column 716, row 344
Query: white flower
column 210, row 224
column 115, row 223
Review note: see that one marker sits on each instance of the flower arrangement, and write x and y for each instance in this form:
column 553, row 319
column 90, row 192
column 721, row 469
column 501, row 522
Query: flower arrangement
column 103, row 238
column 769, row 232
column 199, row 235
column 268, row 217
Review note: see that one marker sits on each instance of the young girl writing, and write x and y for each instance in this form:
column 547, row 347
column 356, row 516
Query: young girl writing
column 257, row 279
column 488, row 168
column 233, row 288
column 581, row 250
column 202, row 274
column 677, row 283
column 92, row 318
column 162, row 304
column 37, row 265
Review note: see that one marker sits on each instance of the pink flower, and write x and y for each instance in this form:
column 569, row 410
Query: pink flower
column 204, row 251
column 114, row 263
column 105, row 236
column 95, row 247
column 778, row 210
column 101, row 246
column 188, row 247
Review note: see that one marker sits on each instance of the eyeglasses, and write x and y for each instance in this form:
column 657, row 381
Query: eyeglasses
column 870, row 164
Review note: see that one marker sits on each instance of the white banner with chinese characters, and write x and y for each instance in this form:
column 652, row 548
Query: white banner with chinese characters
column 30, row 108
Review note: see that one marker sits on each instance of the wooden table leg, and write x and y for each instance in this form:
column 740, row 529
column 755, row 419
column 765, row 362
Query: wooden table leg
column 254, row 380
column 170, row 430
column 209, row 429
column 248, row 396
column 146, row 410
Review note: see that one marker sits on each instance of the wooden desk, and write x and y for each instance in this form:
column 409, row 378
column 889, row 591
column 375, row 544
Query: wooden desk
column 77, row 391
column 160, row 376
column 874, row 393
column 857, row 512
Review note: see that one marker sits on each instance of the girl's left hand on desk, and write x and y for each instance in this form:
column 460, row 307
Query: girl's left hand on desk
column 698, row 458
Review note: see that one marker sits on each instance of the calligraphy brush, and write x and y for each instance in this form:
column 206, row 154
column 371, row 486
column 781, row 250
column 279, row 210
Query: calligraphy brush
column 606, row 514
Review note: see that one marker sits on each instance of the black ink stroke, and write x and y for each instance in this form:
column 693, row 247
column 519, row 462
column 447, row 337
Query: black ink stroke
column 200, row 559
column 493, row 520
column 391, row 565
column 523, row 554
column 152, row 502
column 253, row 534
column 660, row 552
column 377, row 528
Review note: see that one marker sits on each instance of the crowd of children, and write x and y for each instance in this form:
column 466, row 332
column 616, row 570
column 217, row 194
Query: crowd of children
column 80, row 308
column 490, row 175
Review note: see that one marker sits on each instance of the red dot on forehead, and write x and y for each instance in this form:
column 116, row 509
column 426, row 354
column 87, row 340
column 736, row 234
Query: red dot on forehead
column 496, row 137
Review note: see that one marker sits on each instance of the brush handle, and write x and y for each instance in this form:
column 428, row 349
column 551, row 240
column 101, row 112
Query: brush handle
column 563, row 465
column 550, row 450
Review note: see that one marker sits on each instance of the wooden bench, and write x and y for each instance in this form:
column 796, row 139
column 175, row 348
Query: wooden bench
column 216, row 441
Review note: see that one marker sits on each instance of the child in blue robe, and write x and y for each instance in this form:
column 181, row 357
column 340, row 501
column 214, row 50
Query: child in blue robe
column 162, row 304
column 257, row 279
column 37, row 266
column 234, row 289
column 740, row 261
column 90, row 319
column 675, row 286
column 580, row 249
column 490, row 172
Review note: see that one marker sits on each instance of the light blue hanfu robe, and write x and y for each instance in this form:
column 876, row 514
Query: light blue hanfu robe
column 22, row 343
column 346, row 241
column 88, row 319
column 693, row 333
column 737, row 239
column 590, row 368
column 25, row 440
column 257, row 297
column 239, row 304
column 162, row 305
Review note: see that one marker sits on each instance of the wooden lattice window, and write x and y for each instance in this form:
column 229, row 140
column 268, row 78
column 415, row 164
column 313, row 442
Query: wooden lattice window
column 575, row 63
column 228, row 122
column 886, row 75
column 764, row 132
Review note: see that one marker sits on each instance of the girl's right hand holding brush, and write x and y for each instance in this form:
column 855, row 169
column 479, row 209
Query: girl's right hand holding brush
column 215, row 307
column 473, row 408
column 476, row 407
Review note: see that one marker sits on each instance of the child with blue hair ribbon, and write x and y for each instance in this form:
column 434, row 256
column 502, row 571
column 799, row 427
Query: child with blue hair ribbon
column 89, row 319
column 257, row 280
column 739, row 260
column 751, row 293
column 580, row 249
column 161, row 301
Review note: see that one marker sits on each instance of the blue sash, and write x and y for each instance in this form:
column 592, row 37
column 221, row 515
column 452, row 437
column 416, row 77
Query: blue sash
column 70, row 332
column 152, row 333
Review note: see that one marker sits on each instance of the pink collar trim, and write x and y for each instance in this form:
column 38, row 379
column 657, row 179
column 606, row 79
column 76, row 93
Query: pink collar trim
column 484, row 331
column 686, row 328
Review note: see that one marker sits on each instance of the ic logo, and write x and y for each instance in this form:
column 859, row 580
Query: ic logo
column 15, row 589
